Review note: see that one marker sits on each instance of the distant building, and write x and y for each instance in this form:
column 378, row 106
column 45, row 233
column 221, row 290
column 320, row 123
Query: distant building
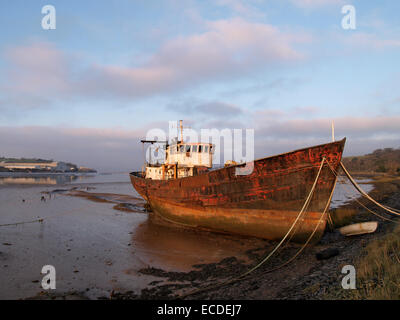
column 86, row 169
column 56, row 166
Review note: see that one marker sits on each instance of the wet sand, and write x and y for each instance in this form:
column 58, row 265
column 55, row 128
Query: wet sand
column 102, row 243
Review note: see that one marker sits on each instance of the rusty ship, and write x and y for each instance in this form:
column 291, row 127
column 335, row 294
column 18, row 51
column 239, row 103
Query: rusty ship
column 185, row 190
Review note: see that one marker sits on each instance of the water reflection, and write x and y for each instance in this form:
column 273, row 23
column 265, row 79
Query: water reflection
column 38, row 179
column 172, row 248
column 345, row 191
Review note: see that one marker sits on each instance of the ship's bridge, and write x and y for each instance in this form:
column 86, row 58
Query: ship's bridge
column 190, row 155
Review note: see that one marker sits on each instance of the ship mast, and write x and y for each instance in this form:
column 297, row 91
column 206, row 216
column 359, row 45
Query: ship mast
column 181, row 127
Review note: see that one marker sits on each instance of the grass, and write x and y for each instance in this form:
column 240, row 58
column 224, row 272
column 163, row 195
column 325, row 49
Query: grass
column 378, row 271
column 378, row 265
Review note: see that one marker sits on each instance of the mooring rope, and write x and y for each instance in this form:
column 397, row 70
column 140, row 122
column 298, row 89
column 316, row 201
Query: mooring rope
column 311, row 235
column 306, row 203
column 364, row 193
column 387, row 208
column 41, row 220
column 361, row 204
column 22, row 222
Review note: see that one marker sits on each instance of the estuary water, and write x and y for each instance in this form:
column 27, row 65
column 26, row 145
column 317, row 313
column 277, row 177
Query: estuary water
column 97, row 235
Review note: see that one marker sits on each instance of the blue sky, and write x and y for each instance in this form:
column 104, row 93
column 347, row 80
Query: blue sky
column 111, row 70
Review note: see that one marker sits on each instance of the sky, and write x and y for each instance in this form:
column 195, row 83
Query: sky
column 89, row 90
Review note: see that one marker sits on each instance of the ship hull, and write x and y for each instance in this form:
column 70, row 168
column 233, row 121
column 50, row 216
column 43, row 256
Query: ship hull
column 263, row 204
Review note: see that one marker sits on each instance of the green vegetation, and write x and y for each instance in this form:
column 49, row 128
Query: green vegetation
column 378, row 264
column 378, row 272
column 386, row 161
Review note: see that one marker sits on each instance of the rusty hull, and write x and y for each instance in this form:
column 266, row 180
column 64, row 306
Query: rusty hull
column 263, row 204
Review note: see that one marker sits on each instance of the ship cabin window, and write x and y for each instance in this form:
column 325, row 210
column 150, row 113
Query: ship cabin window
column 188, row 148
column 205, row 149
column 182, row 148
column 200, row 147
column 194, row 149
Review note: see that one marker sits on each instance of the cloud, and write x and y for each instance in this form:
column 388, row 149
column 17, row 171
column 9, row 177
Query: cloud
column 367, row 127
column 34, row 74
column 370, row 40
column 36, row 66
column 310, row 4
column 219, row 109
column 104, row 149
column 276, row 86
column 265, row 115
column 307, row 110
column 215, row 109
column 242, row 8
column 364, row 134
column 226, row 49
column 118, row 149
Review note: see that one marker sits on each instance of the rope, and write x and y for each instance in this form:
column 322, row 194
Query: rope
column 361, row 204
column 306, row 203
column 23, row 222
column 311, row 235
column 364, row 193
column 41, row 220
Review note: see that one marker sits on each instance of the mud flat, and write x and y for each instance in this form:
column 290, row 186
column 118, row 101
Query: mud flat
column 304, row 278
column 103, row 252
column 97, row 236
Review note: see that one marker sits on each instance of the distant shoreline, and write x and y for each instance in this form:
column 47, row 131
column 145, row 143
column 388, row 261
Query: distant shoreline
column 45, row 174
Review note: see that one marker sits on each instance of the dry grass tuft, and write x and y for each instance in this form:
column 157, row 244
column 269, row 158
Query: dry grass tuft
column 378, row 272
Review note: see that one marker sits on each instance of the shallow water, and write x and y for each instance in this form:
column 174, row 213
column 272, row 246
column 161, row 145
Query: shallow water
column 94, row 247
column 345, row 191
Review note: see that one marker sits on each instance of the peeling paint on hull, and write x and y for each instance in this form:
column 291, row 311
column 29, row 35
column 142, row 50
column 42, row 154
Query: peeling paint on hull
column 263, row 204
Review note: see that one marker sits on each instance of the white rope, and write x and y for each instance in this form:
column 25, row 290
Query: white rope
column 294, row 223
column 306, row 203
column 311, row 235
column 361, row 204
column 364, row 193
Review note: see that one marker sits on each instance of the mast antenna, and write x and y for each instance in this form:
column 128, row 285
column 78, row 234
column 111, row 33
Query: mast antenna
column 181, row 126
